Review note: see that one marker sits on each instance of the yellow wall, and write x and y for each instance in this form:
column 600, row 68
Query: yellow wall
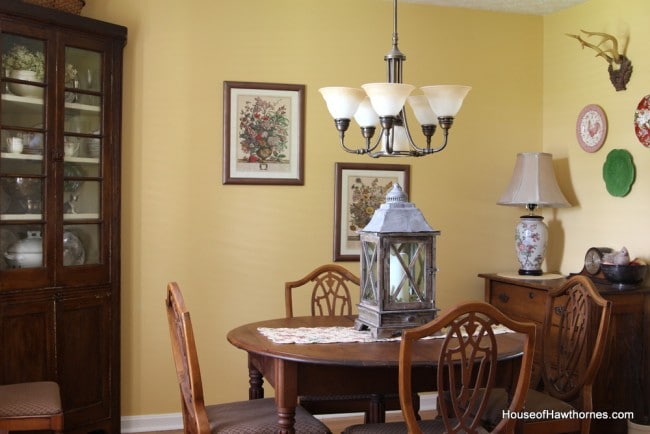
column 232, row 247
column 574, row 78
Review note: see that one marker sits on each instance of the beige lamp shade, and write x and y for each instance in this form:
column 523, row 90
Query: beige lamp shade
column 533, row 183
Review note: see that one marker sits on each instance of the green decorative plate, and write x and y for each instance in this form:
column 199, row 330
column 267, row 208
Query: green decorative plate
column 618, row 172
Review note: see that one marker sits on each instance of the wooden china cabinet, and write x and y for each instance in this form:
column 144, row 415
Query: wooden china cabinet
column 60, row 129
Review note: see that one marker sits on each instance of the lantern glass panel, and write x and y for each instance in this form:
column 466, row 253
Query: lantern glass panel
column 407, row 272
column 369, row 260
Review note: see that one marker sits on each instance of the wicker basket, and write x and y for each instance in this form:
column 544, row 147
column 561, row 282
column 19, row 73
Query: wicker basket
column 72, row 6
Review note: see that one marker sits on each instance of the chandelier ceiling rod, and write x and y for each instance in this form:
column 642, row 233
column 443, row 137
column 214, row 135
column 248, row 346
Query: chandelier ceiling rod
column 382, row 104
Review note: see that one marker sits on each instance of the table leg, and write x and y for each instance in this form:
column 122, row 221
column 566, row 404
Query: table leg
column 286, row 394
column 255, row 381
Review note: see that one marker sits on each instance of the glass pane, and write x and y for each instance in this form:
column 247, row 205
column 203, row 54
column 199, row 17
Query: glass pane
column 21, row 112
column 22, row 108
column 85, row 66
column 82, row 76
column 81, row 244
column 407, row 272
column 370, row 284
column 21, row 246
column 82, row 203
column 21, row 197
column 23, row 59
column 20, row 163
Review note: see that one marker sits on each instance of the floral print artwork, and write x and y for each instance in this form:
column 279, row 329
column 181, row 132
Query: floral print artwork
column 264, row 130
column 365, row 196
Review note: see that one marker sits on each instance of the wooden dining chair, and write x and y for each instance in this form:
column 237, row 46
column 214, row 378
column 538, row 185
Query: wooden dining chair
column 329, row 287
column 257, row 416
column 34, row 406
column 571, row 356
column 465, row 370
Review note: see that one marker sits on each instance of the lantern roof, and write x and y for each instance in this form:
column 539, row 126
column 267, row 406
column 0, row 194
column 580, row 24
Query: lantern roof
column 397, row 215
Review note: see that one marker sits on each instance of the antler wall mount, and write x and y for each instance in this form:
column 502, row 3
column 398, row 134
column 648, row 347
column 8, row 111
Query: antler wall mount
column 620, row 67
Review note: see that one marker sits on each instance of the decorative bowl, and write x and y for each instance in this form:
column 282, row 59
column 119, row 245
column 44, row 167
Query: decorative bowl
column 22, row 89
column 624, row 276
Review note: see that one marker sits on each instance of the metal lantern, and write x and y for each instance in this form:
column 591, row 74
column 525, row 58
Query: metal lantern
column 398, row 268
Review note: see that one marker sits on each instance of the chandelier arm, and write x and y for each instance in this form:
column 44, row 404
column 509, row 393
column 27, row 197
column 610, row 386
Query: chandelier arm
column 417, row 151
column 368, row 133
column 445, row 136
column 428, row 131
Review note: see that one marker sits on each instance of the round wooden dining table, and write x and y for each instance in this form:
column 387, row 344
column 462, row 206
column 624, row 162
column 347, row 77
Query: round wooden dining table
column 295, row 369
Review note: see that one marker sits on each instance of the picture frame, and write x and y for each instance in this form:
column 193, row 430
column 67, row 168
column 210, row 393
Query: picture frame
column 359, row 188
column 263, row 133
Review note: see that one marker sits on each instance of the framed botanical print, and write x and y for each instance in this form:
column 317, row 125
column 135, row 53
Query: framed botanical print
column 359, row 190
column 263, row 133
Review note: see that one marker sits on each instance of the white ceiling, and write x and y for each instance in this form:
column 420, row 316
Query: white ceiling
column 530, row 7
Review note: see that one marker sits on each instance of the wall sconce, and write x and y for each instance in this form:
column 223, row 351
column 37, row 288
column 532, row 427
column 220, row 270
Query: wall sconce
column 533, row 184
column 398, row 268
column 620, row 67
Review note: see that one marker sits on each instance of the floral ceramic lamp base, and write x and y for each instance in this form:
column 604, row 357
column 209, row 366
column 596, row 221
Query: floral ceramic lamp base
column 531, row 236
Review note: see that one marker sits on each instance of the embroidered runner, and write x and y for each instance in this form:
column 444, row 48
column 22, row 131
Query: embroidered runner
column 330, row 335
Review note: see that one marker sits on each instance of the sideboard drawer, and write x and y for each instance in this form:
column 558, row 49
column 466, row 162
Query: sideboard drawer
column 518, row 302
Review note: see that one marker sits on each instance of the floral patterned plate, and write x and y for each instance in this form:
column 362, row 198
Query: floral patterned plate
column 642, row 121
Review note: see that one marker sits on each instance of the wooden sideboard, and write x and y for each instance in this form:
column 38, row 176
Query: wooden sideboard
column 624, row 376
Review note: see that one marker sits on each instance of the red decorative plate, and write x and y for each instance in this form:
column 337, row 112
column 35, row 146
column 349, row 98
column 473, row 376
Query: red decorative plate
column 642, row 121
column 591, row 128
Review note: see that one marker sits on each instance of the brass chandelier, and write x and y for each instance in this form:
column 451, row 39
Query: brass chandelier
column 382, row 105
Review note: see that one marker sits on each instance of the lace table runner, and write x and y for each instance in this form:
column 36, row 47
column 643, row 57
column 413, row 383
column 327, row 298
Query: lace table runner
column 330, row 335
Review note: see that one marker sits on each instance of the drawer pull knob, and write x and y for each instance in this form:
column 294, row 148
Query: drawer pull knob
column 531, row 295
column 559, row 310
column 503, row 297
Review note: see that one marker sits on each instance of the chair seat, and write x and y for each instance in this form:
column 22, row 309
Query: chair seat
column 30, row 399
column 435, row 426
column 258, row 416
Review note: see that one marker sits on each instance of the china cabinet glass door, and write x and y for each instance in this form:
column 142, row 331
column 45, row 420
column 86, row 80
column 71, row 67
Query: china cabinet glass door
column 52, row 171
column 82, row 157
column 24, row 173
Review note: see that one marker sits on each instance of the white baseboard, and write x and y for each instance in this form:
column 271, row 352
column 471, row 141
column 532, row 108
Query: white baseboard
column 170, row 421
column 151, row 422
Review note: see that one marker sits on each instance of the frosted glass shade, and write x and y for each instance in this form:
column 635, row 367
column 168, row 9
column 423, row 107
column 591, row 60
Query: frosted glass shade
column 342, row 102
column 422, row 110
column 446, row 100
column 365, row 115
column 400, row 140
column 387, row 99
column 533, row 182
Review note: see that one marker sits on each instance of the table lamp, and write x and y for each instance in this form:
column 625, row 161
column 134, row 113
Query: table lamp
column 532, row 185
